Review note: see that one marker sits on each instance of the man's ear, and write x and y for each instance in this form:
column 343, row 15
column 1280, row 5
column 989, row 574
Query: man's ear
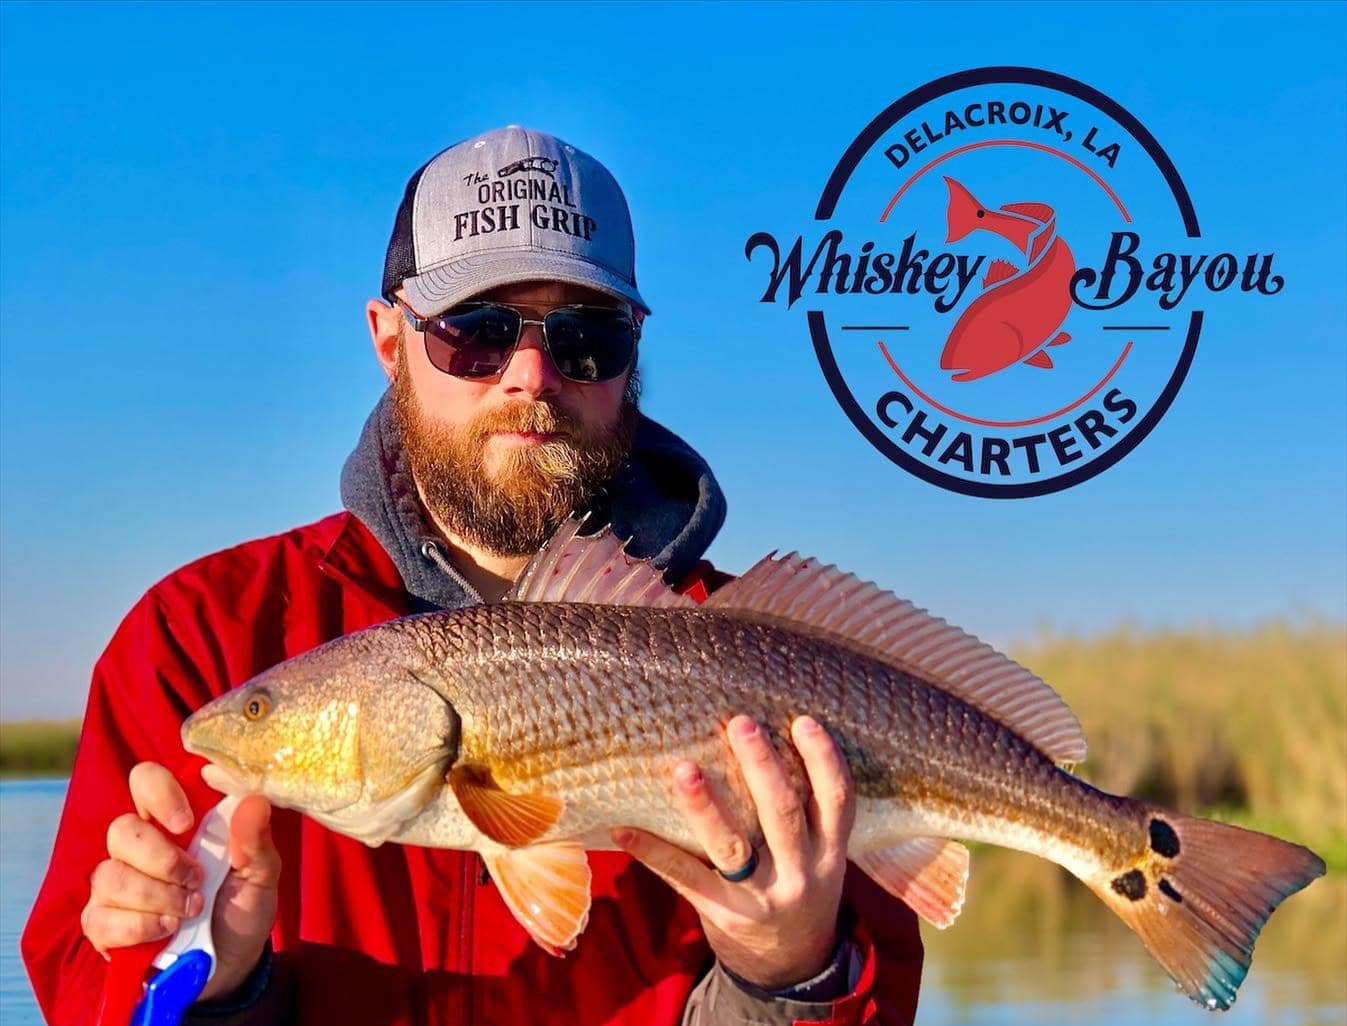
column 384, row 324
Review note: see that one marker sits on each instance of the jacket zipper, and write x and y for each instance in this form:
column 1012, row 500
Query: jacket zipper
column 430, row 549
column 465, row 942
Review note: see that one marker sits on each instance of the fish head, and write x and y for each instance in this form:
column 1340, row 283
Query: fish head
column 964, row 213
column 351, row 725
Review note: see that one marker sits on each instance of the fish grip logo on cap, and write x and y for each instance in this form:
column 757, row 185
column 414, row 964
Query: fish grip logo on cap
column 509, row 206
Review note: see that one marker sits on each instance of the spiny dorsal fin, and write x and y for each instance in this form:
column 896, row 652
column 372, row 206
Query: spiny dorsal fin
column 1042, row 237
column 1038, row 211
column 1000, row 270
column 592, row 568
column 798, row 590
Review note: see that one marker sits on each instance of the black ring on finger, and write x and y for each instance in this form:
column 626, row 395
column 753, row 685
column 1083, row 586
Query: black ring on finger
column 743, row 872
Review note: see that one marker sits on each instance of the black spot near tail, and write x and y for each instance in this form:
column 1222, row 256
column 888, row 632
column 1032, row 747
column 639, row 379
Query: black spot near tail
column 1167, row 889
column 1131, row 885
column 1163, row 839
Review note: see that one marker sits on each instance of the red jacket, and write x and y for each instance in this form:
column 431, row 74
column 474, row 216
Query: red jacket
column 396, row 935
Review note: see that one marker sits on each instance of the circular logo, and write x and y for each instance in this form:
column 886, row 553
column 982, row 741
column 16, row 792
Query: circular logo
column 1005, row 295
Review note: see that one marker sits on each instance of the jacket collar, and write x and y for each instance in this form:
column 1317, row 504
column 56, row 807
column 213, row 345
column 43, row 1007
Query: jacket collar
column 353, row 557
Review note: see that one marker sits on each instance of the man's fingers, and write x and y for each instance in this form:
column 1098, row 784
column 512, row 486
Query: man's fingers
column 117, row 884
column 159, row 796
column 252, row 852
column 780, row 812
column 109, row 928
column 715, row 830
column 684, row 873
column 832, row 808
column 142, row 847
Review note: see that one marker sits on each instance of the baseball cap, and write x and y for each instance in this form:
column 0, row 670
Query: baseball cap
column 507, row 206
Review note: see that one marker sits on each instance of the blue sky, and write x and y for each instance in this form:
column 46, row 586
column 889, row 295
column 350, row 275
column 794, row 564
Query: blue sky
column 195, row 201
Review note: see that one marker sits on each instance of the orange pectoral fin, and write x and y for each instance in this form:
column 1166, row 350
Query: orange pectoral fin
column 509, row 819
column 1040, row 359
column 929, row 874
column 546, row 886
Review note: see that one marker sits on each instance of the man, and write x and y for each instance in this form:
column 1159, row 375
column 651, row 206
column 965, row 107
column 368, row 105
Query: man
column 508, row 334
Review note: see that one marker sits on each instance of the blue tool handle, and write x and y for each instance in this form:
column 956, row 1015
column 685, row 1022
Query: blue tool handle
column 169, row 994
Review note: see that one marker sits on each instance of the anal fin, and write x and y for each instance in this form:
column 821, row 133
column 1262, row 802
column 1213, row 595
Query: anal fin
column 1060, row 339
column 1040, row 359
column 928, row 874
column 546, row 887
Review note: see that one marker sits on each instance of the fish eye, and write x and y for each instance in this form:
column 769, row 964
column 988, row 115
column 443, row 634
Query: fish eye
column 257, row 706
column 982, row 213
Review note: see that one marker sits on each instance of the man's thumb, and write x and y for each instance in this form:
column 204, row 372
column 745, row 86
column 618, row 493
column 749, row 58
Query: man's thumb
column 251, row 849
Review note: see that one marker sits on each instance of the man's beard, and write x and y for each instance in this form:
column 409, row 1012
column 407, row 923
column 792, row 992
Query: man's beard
column 515, row 509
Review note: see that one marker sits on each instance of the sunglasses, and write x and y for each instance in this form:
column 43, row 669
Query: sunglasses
column 587, row 344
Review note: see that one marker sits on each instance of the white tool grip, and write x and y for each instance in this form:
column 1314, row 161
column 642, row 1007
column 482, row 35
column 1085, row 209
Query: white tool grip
column 210, row 848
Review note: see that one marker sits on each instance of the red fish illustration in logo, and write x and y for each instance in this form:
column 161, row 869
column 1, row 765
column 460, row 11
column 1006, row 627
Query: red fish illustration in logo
column 1020, row 311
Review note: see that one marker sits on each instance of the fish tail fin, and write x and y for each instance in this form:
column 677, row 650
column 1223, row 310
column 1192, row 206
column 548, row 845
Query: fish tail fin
column 961, row 216
column 1199, row 896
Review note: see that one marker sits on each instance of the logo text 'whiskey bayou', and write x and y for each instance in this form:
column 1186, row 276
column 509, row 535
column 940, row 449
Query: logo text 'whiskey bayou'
column 1030, row 301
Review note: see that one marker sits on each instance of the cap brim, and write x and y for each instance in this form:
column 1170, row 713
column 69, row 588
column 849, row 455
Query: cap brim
column 441, row 287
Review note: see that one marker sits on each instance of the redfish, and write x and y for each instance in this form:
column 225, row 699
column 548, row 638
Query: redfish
column 526, row 730
column 1020, row 311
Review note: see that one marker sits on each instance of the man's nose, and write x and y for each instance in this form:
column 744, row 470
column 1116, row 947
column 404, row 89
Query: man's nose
column 530, row 370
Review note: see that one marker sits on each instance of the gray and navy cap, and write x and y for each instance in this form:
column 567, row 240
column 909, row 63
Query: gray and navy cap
column 507, row 206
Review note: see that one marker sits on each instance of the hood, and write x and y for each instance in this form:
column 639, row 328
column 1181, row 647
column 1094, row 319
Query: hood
column 664, row 498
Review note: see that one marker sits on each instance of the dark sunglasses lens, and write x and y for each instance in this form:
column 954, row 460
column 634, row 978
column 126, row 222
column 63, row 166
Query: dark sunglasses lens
column 592, row 344
column 472, row 341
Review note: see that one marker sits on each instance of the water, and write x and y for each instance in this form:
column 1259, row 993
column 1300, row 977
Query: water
column 1031, row 948
column 29, row 810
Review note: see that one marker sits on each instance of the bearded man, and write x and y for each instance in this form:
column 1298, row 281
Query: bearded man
column 508, row 330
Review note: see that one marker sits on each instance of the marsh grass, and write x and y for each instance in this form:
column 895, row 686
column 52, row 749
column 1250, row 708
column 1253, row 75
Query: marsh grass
column 1249, row 726
column 38, row 747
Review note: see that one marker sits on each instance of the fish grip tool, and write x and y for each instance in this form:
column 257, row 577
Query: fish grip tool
column 187, row 959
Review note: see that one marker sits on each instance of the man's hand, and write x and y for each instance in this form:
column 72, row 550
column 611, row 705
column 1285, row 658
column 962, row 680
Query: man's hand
column 778, row 927
column 147, row 885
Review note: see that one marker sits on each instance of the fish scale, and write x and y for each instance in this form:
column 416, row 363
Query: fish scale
column 526, row 674
column 527, row 730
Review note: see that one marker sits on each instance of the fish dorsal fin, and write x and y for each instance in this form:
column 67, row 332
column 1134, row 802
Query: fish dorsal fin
column 1042, row 237
column 796, row 590
column 546, row 886
column 929, row 874
column 1000, row 270
column 509, row 819
column 592, row 568
column 1038, row 211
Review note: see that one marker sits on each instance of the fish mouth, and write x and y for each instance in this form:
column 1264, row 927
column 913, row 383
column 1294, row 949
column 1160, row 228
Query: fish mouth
column 224, row 773
column 226, row 781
